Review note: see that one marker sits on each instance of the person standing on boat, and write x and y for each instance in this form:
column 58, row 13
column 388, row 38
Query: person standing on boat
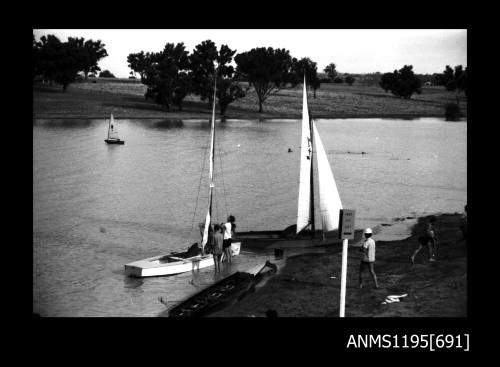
column 429, row 239
column 368, row 260
column 229, row 229
column 218, row 242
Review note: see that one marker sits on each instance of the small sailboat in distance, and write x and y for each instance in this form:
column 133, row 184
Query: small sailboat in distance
column 113, row 133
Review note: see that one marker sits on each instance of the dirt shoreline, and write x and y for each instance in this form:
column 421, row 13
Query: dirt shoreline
column 309, row 284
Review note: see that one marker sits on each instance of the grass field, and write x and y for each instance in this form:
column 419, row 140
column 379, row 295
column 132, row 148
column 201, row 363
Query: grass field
column 125, row 99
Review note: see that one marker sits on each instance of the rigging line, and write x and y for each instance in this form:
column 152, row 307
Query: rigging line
column 199, row 188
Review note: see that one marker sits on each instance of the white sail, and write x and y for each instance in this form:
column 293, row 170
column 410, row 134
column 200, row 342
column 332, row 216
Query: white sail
column 303, row 212
column 112, row 130
column 329, row 198
column 211, row 174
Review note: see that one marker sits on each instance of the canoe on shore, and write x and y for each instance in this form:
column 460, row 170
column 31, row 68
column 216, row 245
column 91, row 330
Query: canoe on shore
column 224, row 293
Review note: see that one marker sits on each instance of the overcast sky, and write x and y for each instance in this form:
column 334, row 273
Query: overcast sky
column 352, row 51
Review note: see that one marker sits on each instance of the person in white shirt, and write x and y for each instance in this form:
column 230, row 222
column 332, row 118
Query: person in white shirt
column 229, row 229
column 368, row 260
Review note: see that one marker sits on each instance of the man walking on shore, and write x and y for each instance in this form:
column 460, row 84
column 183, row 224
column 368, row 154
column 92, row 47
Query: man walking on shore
column 368, row 260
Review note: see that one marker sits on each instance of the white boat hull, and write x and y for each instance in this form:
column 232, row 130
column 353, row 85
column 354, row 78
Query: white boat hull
column 152, row 266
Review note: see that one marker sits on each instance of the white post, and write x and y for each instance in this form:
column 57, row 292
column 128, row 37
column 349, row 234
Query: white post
column 343, row 277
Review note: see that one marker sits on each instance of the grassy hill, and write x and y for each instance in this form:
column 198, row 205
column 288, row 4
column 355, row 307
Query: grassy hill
column 99, row 97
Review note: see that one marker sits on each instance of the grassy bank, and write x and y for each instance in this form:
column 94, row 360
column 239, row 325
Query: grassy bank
column 305, row 287
column 126, row 100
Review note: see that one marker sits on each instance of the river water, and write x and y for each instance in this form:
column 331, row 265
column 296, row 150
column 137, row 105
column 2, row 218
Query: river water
column 97, row 207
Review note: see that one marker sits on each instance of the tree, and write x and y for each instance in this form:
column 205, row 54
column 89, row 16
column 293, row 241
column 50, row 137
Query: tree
column 228, row 89
column 330, row 71
column 35, row 58
column 308, row 67
column 455, row 80
column 266, row 69
column 338, row 80
column 202, row 66
column 402, row 83
column 58, row 61
column 166, row 75
column 349, row 79
column 227, row 92
column 62, row 61
column 106, row 74
column 92, row 52
column 205, row 62
column 139, row 62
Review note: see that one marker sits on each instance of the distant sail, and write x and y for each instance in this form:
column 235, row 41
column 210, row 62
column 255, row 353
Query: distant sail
column 303, row 212
column 112, row 131
column 329, row 198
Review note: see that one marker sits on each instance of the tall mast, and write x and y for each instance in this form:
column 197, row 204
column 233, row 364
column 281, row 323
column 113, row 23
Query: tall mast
column 208, row 218
column 313, row 227
column 212, row 149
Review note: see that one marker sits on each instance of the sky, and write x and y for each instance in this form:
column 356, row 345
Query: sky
column 353, row 51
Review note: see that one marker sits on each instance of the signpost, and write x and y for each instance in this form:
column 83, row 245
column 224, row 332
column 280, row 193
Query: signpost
column 346, row 232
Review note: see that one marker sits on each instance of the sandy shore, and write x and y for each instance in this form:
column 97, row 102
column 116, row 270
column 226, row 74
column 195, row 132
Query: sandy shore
column 309, row 284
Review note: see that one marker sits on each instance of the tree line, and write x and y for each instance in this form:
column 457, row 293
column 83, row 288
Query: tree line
column 173, row 73
column 404, row 83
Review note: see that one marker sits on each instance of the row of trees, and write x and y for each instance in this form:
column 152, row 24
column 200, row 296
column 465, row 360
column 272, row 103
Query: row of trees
column 173, row 73
column 62, row 61
column 404, row 83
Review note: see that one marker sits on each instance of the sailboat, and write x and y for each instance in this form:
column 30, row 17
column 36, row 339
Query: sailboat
column 194, row 258
column 304, row 232
column 113, row 133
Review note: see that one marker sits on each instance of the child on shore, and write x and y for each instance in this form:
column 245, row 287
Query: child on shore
column 368, row 260
column 429, row 239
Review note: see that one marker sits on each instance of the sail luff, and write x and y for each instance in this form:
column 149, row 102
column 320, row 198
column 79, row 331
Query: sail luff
column 329, row 198
column 304, row 207
column 109, row 124
column 208, row 217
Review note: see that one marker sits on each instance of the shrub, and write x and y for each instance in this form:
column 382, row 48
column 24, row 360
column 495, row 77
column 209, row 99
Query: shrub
column 106, row 74
column 452, row 112
column 338, row 80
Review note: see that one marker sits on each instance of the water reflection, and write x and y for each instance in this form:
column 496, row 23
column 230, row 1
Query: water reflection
column 168, row 124
column 132, row 282
column 63, row 123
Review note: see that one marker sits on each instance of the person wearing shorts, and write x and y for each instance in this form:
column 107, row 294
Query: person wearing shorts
column 429, row 239
column 218, row 240
column 368, row 260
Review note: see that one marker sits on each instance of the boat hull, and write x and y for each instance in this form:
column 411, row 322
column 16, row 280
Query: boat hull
column 155, row 266
column 287, row 239
column 112, row 141
column 223, row 293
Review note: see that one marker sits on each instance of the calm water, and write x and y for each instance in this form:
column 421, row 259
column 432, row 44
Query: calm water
column 98, row 206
